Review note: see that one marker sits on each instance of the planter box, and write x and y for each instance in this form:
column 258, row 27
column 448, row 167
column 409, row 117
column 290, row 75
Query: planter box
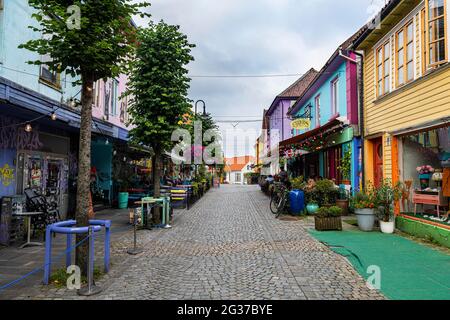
column 328, row 224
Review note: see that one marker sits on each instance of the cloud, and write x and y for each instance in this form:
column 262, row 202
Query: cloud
column 254, row 37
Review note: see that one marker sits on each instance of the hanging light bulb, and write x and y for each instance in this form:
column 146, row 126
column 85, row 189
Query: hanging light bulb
column 28, row 127
column 107, row 142
column 53, row 116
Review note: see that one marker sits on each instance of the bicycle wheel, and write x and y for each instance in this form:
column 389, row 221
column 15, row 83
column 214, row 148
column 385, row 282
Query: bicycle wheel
column 281, row 206
column 274, row 200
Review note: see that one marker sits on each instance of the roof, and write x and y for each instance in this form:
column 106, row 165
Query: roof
column 366, row 30
column 346, row 45
column 237, row 163
column 295, row 90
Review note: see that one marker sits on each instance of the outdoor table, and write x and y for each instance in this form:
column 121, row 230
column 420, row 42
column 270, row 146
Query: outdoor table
column 164, row 203
column 28, row 216
column 141, row 203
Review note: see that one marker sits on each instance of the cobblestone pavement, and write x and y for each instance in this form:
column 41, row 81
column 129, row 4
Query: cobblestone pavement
column 229, row 246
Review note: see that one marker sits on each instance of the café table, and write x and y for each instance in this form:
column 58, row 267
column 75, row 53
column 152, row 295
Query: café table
column 28, row 216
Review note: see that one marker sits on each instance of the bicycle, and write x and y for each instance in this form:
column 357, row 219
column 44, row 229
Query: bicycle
column 279, row 199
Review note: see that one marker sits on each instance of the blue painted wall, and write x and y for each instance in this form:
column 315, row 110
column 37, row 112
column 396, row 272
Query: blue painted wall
column 101, row 159
column 7, row 163
column 13, row 32
column 325, row 99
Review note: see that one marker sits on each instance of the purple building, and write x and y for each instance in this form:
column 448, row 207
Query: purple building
column 277, row 115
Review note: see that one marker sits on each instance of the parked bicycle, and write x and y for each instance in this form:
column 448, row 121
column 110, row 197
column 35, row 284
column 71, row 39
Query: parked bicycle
column 279, row 199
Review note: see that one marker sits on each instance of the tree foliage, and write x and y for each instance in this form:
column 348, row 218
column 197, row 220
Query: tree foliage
column 101, row 45
column 158, row 85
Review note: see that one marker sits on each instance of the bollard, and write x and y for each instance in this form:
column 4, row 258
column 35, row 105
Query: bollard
column 91, row 289
column 135, row 249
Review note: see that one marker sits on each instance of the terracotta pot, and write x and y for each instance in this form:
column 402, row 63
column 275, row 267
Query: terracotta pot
column 343, row 204
column 346, row 182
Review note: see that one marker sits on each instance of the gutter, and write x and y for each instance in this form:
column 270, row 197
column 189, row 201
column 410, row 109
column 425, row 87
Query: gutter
column 361, row 112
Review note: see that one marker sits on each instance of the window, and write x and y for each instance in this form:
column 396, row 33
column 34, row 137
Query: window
column 405, row 54
column 383, row 68
column 436, row 35
column 46, row 75
column 334, row 96
column 238, row 177
column 317, row 103
column 114, row 96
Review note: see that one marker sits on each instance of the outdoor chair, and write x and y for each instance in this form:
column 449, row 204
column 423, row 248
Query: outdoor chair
column 36, row 202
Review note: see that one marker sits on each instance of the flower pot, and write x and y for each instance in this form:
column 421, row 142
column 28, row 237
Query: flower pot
column 346, row 182
column 343, row 204
column 328, row 223
column 366, row 219
column 312, row 208
column 387, row 227
column 424, row 180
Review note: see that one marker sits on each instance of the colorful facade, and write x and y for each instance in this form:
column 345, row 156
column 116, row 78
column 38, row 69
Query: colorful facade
column 325, row 125
column 45, row 156
column 278, row 122
column 406, row 99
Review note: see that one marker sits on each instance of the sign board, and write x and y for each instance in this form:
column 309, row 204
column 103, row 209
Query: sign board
column 301, row 123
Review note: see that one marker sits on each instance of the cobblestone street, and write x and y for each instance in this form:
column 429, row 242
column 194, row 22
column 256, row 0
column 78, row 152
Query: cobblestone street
column 229, row 246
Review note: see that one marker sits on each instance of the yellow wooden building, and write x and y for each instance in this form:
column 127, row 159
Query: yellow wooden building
column 406, row 96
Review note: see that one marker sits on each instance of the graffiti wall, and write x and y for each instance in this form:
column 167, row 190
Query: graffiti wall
column 13, row 136
column 8, row 172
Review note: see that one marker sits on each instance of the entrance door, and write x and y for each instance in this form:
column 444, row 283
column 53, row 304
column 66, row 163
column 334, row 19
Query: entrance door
column 378, row 162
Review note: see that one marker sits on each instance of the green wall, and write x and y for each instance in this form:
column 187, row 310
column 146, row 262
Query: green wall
column 426, row 231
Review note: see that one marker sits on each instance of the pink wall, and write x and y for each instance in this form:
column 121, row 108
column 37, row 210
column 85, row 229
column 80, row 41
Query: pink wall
column 102, row 88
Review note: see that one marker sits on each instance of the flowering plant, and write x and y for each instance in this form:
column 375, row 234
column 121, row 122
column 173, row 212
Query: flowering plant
column 425, row 169
column 365, row 199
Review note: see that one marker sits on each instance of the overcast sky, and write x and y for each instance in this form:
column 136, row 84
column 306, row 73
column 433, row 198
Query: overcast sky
column 257, row 37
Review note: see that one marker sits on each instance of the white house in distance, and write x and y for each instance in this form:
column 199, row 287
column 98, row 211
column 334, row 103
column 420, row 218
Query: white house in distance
column 237, row 167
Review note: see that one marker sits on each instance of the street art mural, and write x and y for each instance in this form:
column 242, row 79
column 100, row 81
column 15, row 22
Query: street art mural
column 13, row 136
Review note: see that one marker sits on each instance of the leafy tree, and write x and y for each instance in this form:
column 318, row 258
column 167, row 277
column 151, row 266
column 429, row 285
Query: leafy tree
column 97, row 49
column 158, row 85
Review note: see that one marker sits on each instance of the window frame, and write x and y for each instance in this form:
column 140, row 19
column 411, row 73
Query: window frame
column 317, row 110
column 43, row 79
column 404, row 47
column 334, row 95
column 428, row 21
column 383, row 63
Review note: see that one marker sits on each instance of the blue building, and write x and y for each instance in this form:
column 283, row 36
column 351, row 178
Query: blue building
column 325, row 124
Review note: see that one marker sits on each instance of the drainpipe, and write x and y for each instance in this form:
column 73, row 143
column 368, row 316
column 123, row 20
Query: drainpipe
column 361, row 112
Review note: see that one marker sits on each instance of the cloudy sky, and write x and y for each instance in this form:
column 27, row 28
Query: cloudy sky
column 257, row 37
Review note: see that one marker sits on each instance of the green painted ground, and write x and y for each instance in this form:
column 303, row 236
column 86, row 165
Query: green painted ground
column 409, row 271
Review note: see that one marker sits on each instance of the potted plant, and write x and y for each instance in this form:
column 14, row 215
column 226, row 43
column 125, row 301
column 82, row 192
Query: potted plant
column 326, row 192
column 345, row 167
column 364, row 204
column 425, row 173
column 328, row 218
column 312, row 205
column 386, row 195
column 342, row 200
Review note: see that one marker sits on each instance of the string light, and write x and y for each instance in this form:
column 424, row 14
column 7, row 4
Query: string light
column 53, row 116
column 28, row 127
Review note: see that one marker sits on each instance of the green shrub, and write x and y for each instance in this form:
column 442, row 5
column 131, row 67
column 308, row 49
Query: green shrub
column 325, row 212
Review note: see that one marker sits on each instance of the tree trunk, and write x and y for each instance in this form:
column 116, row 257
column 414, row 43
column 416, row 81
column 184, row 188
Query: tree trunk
column 84, row 169
column 156, row 184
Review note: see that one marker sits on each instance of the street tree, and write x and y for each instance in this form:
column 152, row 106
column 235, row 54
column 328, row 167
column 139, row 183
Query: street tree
column 97, row 46
column 158, row 90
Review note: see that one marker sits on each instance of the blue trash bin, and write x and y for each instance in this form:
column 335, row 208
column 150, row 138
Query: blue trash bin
column 297, row 201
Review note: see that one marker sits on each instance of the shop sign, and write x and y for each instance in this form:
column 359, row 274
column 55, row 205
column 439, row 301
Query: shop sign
column 301, row 123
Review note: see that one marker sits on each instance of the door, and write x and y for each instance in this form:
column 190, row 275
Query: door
column 378, row 162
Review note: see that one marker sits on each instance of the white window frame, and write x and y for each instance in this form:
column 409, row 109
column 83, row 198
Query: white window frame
column 317, row 109
column 334, row 96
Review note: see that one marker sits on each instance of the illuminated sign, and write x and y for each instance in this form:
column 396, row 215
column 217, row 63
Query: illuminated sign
column 301, row 123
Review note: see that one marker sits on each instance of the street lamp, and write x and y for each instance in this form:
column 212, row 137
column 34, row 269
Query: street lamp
column 204, row 106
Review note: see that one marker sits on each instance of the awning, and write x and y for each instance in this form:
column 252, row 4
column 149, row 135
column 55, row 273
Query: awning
column 432, row 125
column 333, row 124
